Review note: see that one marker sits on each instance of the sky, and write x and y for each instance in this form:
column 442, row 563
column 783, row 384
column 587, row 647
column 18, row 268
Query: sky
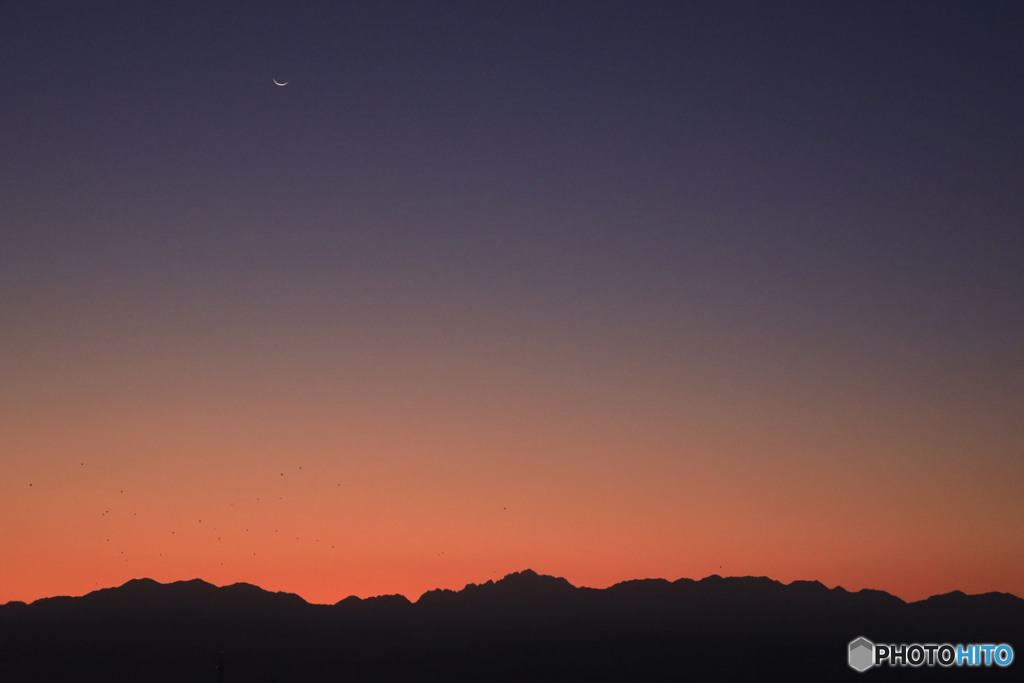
column 609, row 290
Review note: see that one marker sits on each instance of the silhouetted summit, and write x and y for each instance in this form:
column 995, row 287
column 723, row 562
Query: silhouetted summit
column 525, row 626
column 515, row 591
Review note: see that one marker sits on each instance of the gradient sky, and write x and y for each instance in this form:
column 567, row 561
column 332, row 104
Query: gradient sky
column 610, row 290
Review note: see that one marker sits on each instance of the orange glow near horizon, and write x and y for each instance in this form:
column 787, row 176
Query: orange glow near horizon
column 331, row 505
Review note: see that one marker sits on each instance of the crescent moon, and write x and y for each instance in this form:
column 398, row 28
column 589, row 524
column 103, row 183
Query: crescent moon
column 276, row 83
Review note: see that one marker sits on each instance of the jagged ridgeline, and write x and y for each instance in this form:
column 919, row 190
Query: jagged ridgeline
column 524, row 627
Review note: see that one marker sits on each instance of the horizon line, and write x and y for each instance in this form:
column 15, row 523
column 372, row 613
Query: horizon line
column 527, row 571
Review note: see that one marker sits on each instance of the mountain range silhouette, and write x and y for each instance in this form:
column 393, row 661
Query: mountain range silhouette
column 524, row 627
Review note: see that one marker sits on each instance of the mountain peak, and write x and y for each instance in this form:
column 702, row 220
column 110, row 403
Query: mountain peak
column 517, row 588
column 528, row 577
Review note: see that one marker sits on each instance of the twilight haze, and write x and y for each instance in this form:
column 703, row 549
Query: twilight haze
column 610, row 290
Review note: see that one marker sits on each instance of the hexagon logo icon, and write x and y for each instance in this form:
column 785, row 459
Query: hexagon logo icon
column 862, row 654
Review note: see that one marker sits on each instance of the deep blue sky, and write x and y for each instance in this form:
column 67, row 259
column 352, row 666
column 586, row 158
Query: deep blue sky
column 833, row 155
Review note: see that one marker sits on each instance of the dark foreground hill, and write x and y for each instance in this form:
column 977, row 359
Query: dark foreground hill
column 525, row 627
